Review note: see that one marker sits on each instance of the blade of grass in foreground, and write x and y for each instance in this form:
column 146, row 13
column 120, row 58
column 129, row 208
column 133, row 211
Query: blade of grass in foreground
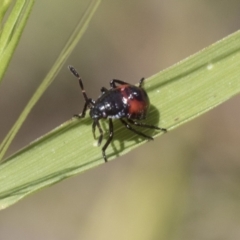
column 67, row 50
column 4, row 6
column 179, row 93
column 12, row 30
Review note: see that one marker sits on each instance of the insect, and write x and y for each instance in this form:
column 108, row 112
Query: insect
column 122, row 101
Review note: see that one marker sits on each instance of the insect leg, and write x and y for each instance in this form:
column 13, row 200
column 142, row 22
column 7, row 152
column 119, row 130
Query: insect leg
column 140, row 124
column 141, row 82
column 96, row 123
column 94, row 129
column 109, row 139
column 116, row 81
column 128, row 126
column 86, row 105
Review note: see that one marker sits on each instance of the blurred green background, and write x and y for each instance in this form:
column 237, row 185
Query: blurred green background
column 184, row 185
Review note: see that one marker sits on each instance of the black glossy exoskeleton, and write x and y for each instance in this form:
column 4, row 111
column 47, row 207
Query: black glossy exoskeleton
column 122, row 101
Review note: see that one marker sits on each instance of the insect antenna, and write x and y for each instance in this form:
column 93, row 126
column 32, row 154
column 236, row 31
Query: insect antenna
column 75, row 73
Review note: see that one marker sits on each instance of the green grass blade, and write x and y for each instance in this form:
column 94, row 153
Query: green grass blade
column 12, row 30
column 179, row 93
column 67, row 50
column 4, row 5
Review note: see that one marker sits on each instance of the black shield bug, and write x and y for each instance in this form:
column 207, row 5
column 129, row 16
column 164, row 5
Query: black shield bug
column 122, row 101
